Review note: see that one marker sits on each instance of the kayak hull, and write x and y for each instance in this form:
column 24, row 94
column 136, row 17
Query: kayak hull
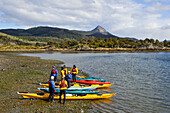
column 91, row 78
column 68, row 96
column 90, row 82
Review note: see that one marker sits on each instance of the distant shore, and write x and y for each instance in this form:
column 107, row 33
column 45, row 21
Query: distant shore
column 111, row 50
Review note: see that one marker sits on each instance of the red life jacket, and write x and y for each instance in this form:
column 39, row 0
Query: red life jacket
column 49, row 83
column 54, row 71
column 63, row 83
column 74, row 70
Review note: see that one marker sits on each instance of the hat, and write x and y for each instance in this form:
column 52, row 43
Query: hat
column 52, row 77
column 68, row 71
column 53, row 66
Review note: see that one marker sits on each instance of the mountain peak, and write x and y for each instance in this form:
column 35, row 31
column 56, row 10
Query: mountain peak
column 99, row 29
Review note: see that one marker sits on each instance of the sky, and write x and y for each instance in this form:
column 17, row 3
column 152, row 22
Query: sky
column 125, row 18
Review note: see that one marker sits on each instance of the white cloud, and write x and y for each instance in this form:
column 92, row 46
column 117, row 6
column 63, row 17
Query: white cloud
column 158, row 7
column 120, row 17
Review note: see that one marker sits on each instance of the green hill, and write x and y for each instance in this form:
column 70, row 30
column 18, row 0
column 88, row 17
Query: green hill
column 6, row 39
column 44, row 32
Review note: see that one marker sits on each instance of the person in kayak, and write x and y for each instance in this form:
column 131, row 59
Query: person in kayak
column 65, row 69
column 51, row 89
column 63, row 87
column 74, row 72
column 54, row 73
column 67, row 78
column 62, row 72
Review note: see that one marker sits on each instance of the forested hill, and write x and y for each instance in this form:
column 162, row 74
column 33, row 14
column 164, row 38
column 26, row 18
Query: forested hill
column 44, row 32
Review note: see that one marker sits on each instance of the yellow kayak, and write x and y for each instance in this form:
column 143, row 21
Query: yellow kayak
column 78, row 85
column 68, row 96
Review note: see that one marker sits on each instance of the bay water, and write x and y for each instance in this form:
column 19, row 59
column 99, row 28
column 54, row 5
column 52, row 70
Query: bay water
column 141, row 80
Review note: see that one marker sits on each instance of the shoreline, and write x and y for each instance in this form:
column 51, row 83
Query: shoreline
column 97, row 50
column 115, row 51
column 23, row 74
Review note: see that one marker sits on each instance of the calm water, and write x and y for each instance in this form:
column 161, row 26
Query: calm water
column 142, row 80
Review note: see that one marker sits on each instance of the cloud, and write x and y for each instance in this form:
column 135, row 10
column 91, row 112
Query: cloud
column 158, row 7
column 120, row 17
column 166, row 27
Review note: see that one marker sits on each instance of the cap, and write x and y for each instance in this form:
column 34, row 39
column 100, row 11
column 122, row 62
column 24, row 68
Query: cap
column 52, row 77
column 68, row 71
column 53, row 66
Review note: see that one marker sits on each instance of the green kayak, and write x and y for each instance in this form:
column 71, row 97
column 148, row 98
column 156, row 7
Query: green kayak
column 91, row 78
column 71, row 91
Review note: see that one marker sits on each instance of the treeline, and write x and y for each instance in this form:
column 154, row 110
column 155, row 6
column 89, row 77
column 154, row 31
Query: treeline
column 85, row 43
column 92, row 42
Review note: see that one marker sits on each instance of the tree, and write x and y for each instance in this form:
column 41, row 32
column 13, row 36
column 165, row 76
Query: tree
column 165, row 43
column 146, row 40
column 51, row 43
column 73, row 43
column 37, row 44
column 157, row 42
column 152, row 40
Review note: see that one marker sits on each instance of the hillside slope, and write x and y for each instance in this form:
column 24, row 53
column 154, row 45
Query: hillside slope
column 97, row 32
column 44, row 32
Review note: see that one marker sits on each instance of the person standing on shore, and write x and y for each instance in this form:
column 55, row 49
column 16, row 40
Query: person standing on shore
column 63, row 87
column 65, row 69
column 62, row 72
column 67, row 78
column 51, row 89
column 54, row 73
column 74, row 72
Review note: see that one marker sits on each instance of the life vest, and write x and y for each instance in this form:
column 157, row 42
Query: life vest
column 63, row 84
column 65, row 71
column 61, row 72
column 54, row 71
column 49, row 83
column 74, row 70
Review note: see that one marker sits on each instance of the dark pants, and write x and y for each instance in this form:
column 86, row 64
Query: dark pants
column 51, row 96
column 74, row 77
column 63, row 92
column 55, row 78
